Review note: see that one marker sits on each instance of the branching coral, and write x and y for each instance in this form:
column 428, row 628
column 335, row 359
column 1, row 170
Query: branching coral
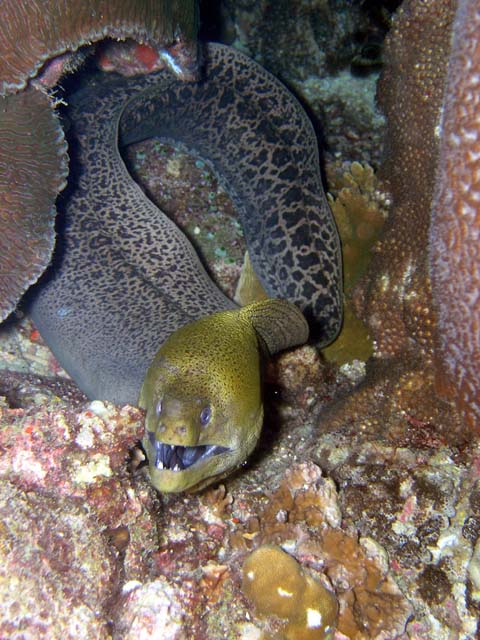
column 360, row 209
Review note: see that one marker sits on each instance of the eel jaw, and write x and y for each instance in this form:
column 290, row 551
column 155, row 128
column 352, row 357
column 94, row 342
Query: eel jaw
column 174, row 457
column 179, row 468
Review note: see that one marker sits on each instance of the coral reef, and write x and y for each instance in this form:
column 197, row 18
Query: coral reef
column 360, row 207
column 55, row 575
column 454, row 232
column 395, row 297
column 392, row 529
column 69, row 26
column 68, row 510
column 303, row 516
column 33, row 168
column 392, row 520
column 33, row 151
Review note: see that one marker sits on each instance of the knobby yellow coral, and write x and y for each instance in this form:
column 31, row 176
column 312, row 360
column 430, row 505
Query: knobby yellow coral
column 360, row 209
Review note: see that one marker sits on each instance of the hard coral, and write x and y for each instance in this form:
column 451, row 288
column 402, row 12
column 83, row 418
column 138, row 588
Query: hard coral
column 395, row 298
column 75, row 523
column 56, row 572
column 278, row 586
column 33, row 169
column 32, row 149
column 455, row 228
column 360, row 208
column 303, row 515
column 67, row 26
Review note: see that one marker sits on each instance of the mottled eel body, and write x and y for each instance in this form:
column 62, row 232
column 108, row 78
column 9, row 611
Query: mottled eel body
column 125, row 277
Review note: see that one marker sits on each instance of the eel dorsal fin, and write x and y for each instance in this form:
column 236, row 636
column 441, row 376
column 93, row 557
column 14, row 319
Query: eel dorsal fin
column 279, row 323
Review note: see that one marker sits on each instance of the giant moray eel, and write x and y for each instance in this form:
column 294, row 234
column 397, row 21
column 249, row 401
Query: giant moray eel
column 126, row 278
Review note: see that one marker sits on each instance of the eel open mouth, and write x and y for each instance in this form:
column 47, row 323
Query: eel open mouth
column 174, row 457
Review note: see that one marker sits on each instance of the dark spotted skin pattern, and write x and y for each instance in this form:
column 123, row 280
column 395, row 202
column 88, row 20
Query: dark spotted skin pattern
column 125, row 277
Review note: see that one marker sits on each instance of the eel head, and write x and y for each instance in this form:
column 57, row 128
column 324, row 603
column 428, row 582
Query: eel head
column 190, row 444
column 203, row 403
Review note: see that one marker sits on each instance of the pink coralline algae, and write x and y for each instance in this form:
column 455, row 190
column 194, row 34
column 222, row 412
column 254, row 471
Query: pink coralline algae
column 65, row 495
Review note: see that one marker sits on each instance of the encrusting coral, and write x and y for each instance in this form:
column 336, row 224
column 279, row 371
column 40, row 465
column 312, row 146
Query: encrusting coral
column 277, row 585
column 395, row 297
column 303, row 515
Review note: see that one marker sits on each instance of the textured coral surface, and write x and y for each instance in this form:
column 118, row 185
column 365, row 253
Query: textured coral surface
column 89, row 548
column 32, row 149
column 33, row 168
column 379, row 499
column 69, row 25
column 398, row 305
column 360, row 208
column 395, row 298
column 455, row 228
column 278, row 586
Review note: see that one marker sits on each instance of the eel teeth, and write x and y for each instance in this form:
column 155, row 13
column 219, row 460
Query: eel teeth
column 174, row 457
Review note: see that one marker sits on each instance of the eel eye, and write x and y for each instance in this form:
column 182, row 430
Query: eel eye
column 205, row 415
column 158, row 408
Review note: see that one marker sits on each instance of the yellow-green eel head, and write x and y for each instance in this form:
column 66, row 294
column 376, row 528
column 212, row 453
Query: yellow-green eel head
column 202, row 393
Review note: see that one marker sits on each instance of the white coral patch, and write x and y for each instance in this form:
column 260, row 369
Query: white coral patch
column 314, row 618
column 99, row 465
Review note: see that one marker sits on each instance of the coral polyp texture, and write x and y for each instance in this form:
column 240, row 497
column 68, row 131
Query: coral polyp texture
column 455, row 228
column 35, row 39
column 33, row 169
column 277, row 585
column 405, row 320
column 397, row 298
